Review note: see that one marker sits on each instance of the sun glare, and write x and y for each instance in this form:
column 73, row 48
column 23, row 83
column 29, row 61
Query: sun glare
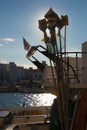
column 38, row 16
column 46, row 99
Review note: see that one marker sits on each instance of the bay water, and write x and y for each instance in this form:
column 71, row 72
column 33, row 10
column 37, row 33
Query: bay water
column 25, row 99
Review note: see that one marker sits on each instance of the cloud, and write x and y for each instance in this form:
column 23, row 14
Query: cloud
column 4, row 41
column 9, row 39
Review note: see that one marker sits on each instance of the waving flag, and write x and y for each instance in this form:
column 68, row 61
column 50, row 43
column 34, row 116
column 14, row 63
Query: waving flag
column 32, row 50
column 26, row 44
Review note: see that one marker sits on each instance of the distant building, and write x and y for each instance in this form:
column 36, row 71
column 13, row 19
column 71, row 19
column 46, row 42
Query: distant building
column 84, row 62
column 35, row 74
column 3, row 74
column 72, row 61
column 20, row 74
column 12, row 72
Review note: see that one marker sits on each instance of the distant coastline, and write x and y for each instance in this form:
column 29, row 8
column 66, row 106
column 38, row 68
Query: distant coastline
column 20, row 89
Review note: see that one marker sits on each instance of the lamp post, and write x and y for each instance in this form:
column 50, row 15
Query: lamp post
column 52, row 22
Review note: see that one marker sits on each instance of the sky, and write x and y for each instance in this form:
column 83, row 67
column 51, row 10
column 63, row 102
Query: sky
column 19, row 18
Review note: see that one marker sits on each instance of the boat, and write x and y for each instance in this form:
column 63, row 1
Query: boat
column 69, row 110
column 24, row 118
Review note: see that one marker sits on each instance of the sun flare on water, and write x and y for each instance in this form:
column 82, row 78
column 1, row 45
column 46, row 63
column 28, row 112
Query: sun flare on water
column 46, row 99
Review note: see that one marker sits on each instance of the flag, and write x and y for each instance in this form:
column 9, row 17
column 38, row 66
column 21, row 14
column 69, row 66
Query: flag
column 32, row 50
column 26, row 44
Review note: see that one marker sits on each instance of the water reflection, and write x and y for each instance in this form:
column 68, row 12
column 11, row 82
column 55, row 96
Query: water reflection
column 24, row 99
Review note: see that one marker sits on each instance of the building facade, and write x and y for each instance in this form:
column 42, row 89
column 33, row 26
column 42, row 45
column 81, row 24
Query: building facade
column 13, row 74
column 84, row 62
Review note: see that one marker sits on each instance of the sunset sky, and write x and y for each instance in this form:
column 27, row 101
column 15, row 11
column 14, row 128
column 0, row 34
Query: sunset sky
column 19, row 18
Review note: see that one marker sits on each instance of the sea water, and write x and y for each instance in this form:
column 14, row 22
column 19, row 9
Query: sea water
column 25, row 99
